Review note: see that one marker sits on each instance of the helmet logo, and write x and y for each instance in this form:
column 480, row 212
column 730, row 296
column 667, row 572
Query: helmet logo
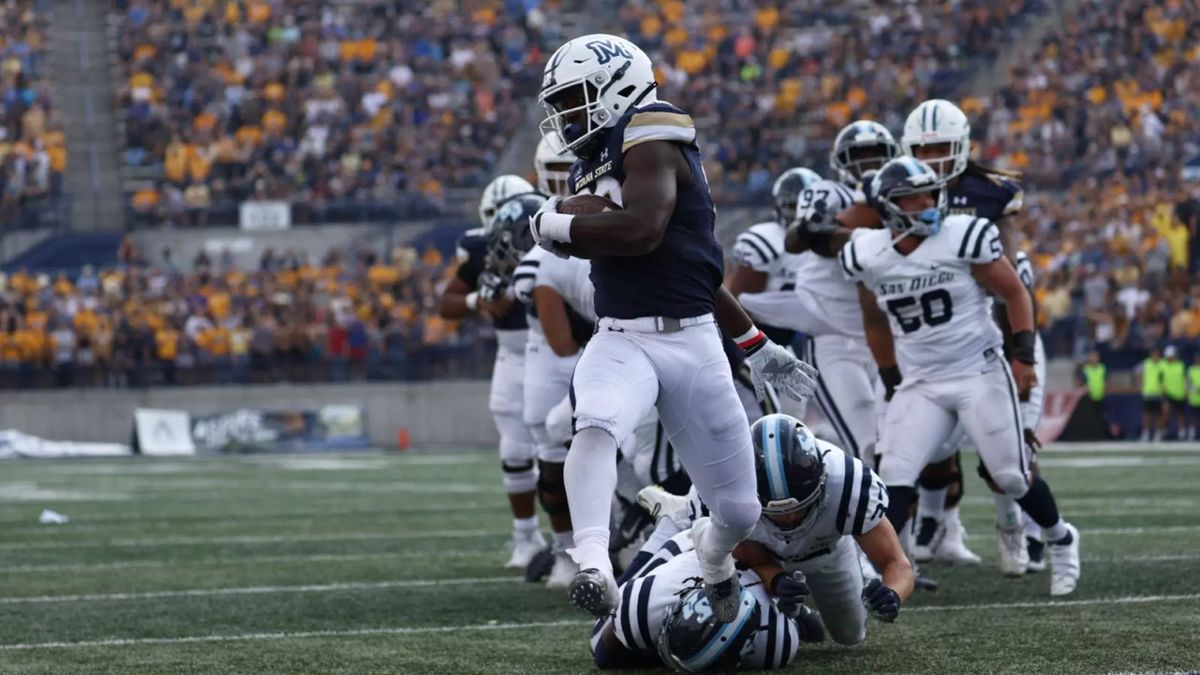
column 607, row 50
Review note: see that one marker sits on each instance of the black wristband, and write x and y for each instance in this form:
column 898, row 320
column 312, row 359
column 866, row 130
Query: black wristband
column 1023, row 346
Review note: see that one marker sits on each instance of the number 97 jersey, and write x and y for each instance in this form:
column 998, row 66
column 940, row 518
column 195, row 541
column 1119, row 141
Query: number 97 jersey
column 940, row 316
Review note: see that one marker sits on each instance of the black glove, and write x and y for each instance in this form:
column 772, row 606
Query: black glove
column 881, row 601
column 789, row 591
column 491, row 286
column 891, row 379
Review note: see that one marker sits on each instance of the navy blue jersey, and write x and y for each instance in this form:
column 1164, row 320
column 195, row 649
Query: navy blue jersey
column 475, row 248
column 679, row 278
column 984, row 195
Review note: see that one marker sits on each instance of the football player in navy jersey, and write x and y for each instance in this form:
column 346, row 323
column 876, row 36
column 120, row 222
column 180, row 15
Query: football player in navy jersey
column 474, row 288
column 657, row 270
column 938, row 133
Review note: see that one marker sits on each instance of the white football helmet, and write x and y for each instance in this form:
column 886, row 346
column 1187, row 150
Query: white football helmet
column 588, row 84
column 935, row 122
column 553, row 166
column 861, row 146
column 500, row 189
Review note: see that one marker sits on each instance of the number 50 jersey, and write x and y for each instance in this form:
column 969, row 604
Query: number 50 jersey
column 940, row 316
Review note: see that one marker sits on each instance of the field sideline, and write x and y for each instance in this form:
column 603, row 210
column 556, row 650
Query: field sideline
column 391, row 564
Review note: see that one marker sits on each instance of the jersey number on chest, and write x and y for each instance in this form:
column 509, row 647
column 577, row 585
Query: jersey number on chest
column 932, row 308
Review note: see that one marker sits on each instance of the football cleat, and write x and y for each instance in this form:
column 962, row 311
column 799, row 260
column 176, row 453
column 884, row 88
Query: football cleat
column 809, row 625
column 952, row 547
column 1064, row 565
column 593, row 592
column 525, row 545
column 662, row 504
column 724, row 597
column 562, row 572
column 1010, row 544
column 540, row 565
column 929, row 536
column 1037, row 554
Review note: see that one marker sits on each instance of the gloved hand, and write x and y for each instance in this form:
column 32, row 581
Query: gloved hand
column 881, row 601
column 540, row 237
column 789, row 591
column 891, row 379
column 773, row 364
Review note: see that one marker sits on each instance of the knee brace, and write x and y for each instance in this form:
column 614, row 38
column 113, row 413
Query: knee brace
column 519, row 476
column 552, row 490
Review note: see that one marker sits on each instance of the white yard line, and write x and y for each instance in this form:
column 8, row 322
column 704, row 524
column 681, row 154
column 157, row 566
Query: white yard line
column 247, row 539
column 1130, row 447
column 417, row 630
column 258, row 590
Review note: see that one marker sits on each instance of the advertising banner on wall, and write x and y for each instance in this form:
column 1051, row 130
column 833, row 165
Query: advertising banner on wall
column 249, row 430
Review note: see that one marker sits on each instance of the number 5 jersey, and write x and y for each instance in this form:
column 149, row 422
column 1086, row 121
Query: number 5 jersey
column 939, row 314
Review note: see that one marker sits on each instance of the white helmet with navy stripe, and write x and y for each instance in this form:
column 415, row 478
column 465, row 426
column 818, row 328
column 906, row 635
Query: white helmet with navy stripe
column 939, row 122
column 691, row 640
column 500, row 190
column 588, row 84
column 859, row 147
column 791, row 471
column 902, row 177
column 786, row 191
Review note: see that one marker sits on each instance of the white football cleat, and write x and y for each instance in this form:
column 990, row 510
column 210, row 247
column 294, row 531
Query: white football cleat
column 1064, row 565
column 1014, row 557
column 563, row 571
column 524, row 546
column 953, row 546
column 662, row 504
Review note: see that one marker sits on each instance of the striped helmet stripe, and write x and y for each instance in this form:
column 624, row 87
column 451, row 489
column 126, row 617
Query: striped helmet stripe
column 720, row 641
column 773, row 459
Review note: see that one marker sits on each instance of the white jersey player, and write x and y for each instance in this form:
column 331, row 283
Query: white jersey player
column 633, row 635
column 657, row 269
column 818, row 502
column 825, row 305
column 475, row 288
column 924, row 284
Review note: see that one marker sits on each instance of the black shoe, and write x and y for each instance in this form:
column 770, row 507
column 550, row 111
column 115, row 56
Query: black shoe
column 540, row 565
column 589, row 592
column 924, row 583
column 723, row 598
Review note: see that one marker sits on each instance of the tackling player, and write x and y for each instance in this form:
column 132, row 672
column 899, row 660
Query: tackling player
column 657, row 269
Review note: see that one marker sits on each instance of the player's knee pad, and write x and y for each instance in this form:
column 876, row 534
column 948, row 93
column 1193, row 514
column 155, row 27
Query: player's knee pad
column 559, row 422
column 519, row 476
column 552, row 490
column 737, row 515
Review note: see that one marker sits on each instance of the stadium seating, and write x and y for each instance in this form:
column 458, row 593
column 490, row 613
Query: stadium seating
column 354, row 110
column 336, row 319
column 33, row 152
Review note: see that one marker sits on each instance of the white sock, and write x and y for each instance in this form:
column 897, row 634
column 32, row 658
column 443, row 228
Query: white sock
column 1008, row 512
column 590, row 475
column 525, row 525
column 931, row 503
column 1032, row 529
column 715, row 551
column 1057, row 532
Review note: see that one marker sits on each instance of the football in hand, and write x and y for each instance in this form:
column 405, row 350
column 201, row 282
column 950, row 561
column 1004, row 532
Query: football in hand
column 586, row 205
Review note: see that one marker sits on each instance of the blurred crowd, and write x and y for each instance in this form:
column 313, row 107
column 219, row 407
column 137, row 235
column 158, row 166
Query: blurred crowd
column 323, row 104
column 290, row 319
column 33, row 152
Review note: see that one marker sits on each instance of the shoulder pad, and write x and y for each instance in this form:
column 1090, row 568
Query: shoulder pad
column 657, row 122
column 977, row 240
column 853, row 256
column 758, row 246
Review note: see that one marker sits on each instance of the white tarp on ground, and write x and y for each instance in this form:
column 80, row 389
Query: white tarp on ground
column 163, row 433
column 16, row 445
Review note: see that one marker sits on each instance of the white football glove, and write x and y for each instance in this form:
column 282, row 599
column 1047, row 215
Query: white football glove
column 779, row 367
column 535, row 227
column 816, row 219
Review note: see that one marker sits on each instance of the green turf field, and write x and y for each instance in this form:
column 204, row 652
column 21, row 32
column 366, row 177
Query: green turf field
column 374, row 563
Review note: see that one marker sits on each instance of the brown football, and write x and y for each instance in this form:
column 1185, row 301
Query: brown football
column 584, row 205
column 859, row 215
